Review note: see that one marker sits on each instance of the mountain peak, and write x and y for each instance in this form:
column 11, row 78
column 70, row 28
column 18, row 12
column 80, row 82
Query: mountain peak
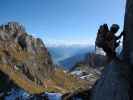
column 20, row 51
column 12, row 27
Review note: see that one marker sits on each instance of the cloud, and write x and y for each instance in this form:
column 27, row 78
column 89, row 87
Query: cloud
column 52, row 41
column 56, row 42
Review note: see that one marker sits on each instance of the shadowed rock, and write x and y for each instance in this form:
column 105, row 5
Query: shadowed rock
column 114, row 83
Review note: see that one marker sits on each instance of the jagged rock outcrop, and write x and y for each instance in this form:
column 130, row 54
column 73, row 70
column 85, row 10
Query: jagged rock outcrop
column 24, row 53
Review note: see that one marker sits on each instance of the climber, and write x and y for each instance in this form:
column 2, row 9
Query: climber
column 107, row 40
column 111, row 40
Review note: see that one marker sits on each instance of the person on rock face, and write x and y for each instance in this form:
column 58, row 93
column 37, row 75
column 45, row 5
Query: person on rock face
column 110, row 40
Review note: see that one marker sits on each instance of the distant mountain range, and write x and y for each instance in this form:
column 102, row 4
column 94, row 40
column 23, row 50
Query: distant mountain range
column 68, row 63
column 67, row 56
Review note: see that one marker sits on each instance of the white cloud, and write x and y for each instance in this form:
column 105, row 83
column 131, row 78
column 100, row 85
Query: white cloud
column 51, row 41
column 56, row 42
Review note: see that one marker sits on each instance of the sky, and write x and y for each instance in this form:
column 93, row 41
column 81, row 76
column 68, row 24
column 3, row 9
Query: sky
column 63, row 21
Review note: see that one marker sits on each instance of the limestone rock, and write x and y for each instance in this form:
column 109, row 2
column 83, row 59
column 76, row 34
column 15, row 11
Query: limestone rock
column 24, row 52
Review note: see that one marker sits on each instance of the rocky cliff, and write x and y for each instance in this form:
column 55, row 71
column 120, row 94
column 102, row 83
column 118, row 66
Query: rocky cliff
column 116, row 82
column 24, row 53
column 27, row 64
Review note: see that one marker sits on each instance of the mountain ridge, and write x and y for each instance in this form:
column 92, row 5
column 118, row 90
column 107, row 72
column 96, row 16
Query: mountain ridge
column 29, row 65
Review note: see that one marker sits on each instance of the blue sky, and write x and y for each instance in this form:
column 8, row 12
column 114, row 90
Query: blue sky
column 63, row 21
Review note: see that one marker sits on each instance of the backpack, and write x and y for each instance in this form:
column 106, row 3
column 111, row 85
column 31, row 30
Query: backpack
column 101, row 34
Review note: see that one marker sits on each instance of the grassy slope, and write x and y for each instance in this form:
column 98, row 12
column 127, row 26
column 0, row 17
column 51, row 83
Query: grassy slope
column 58, row 82
column 21, row 80
column 65, row 82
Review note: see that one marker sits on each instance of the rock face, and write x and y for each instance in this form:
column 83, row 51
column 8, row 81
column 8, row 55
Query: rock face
column 116, row 82
column 24, row 53
column 128, row 28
